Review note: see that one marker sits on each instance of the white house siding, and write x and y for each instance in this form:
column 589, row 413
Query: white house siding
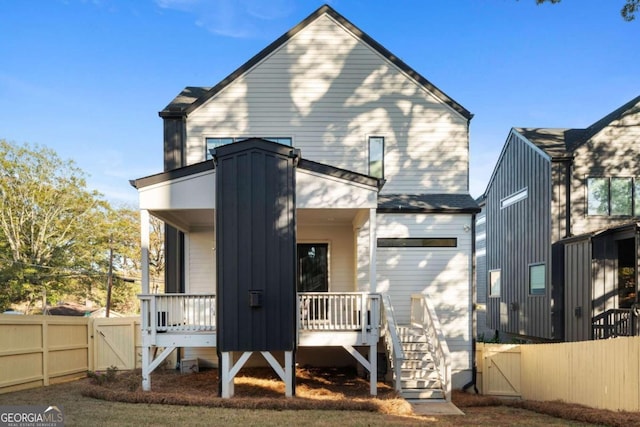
column 330, row 92
column 341, row 255
column 444, row 274
column 612, row 152
column 201, row 278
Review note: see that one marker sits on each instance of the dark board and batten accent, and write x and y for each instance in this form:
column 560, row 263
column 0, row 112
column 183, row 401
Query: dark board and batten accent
column 256, row 246
column 518, row 235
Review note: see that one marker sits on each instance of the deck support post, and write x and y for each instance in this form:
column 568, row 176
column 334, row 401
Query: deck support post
column 370, row 365
column 229, row 370
column 373, row 249
column 146, row 375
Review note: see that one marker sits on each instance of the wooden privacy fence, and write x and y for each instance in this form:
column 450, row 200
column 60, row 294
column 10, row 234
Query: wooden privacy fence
column 41, row 350
column 600, row 374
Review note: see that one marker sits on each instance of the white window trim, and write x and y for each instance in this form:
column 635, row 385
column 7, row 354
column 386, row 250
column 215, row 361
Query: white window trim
column 514, row 198
column 492, row 295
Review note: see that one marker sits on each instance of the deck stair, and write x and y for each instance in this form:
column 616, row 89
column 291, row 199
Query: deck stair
column 419, row 375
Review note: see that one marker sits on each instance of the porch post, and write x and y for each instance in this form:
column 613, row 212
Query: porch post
column 373, row 246
column 144, row 244
column 373, row 369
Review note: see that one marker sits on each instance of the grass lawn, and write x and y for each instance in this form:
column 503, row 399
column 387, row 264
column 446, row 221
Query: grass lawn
column 256, row 391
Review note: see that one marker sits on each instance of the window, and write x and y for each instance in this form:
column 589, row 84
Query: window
column 514, row 198
column 376, row 156
column 537, row 279
column 418, row 242
column 612, row 196
column 494, row 283
column 212, row 143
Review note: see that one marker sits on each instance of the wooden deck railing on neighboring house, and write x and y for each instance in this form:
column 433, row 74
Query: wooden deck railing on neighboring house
column 423, row 315
column 392, row 341
column 616, row 322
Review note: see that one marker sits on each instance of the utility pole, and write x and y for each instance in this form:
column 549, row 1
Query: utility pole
column 109, row 278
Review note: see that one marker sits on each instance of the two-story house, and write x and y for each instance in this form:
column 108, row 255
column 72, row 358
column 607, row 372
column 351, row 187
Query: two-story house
column 562, row 246
column 328, row 169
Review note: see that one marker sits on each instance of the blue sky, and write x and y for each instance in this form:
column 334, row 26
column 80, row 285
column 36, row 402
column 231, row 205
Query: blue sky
column 88, row 77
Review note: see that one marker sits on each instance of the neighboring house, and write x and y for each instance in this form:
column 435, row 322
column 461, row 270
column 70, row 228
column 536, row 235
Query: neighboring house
column 561, row 209
column 74, row 309
column 328, row 157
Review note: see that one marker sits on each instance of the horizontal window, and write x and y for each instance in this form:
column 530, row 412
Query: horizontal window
column 417, row 242
column 514, row 198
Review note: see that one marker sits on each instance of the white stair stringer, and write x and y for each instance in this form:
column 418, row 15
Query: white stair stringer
column 419, row 374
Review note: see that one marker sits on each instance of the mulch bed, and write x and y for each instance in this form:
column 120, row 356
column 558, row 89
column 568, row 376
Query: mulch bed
column 255, row 388
column 316, row 388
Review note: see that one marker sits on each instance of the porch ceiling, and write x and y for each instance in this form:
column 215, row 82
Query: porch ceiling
column 186, row 219
column 327, row 216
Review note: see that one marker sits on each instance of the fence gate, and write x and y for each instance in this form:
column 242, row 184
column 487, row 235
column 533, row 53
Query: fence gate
column 114, row 343
column 501, row 370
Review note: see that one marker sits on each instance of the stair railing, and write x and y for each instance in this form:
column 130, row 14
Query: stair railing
column 392, row 341
column 424, row 316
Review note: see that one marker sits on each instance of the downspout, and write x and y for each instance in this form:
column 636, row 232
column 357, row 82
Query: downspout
column 567, row 183
column 474, row 326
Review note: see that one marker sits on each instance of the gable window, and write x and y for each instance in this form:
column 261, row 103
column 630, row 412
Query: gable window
column 376, row 156
column 612, row 196
column 514, row 198
column 212, row 143
column 537, row 279
column 494, row 283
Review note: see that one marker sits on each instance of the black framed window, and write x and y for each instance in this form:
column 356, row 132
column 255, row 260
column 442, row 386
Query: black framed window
column 376, row 156
column 418, row 242
column 613, row 196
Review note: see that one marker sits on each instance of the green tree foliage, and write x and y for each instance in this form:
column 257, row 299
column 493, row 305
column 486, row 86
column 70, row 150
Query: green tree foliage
column 628, row 11
column 57, row 237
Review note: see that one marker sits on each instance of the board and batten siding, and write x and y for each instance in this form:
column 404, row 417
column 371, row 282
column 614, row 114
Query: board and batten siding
column 482, row 330
column 519, row 235
column 443, row 274
column 329, row 92
column 578, row 290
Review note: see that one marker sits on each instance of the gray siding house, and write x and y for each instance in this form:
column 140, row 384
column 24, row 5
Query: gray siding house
column 377, row 208
column 561, row 235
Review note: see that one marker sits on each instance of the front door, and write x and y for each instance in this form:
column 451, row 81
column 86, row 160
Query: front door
column 313, row 269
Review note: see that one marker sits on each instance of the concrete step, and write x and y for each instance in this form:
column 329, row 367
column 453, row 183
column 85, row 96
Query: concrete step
column 423, row 394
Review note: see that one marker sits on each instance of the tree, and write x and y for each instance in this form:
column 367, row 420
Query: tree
column 628, row 11
column 48, row 222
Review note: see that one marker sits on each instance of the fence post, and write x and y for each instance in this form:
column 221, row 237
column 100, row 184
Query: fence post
column 45, row 351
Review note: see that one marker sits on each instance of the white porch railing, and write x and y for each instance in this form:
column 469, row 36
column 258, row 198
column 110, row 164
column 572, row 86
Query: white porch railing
column 182, row 313
column 338, row 311
column 424, row 316
column 392, row 341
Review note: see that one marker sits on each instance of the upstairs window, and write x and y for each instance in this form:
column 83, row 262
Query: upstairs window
column 494, row 283
column 537, row 279
column 514, row 198
column 212, row 143
column 612, row 196
column 376, row 156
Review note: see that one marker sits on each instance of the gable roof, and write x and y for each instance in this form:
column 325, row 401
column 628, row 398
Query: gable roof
column 193, row 97
column 562, row 142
